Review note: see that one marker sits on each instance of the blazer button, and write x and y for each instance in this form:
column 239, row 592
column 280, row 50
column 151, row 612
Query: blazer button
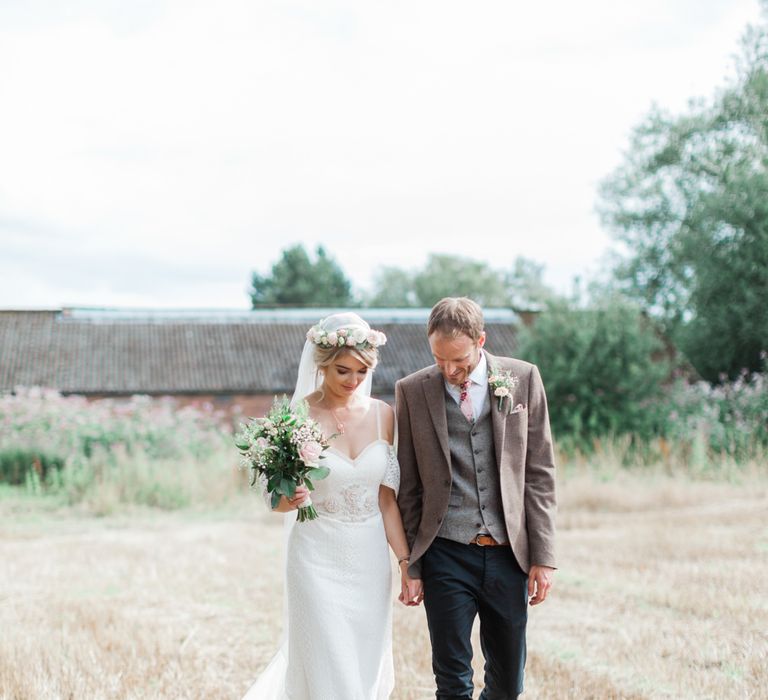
column 477, row 450
column 482, row 507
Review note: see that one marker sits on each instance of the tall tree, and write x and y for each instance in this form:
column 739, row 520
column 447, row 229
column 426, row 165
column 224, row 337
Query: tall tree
column 393, row 288
column 690, row 203
column 522, row 287
column 296, row 280
column 526, row 287
column 453, row 275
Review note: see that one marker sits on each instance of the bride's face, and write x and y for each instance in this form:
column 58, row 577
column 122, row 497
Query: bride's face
column 344, row 375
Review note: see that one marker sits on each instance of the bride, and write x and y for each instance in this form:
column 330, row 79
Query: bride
column 337, row 641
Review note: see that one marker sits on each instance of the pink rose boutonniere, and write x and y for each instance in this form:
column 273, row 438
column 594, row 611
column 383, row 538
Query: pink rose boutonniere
column 503, row 384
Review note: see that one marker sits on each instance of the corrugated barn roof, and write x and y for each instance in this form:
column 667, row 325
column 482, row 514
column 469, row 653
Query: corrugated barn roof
column 187, row 352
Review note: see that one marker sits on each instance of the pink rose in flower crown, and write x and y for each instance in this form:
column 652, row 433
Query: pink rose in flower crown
column 351, row 341
column 309, row 453
column 332, row 338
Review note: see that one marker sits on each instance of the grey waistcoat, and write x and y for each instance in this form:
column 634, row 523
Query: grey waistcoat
column 475, row 502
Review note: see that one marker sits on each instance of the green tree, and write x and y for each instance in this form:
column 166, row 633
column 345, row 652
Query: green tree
column 690, row 203
column 522, row 287
column 526, row 287
column 296, row 280
column 393, row 288
column 453, row 275
column 602, row 366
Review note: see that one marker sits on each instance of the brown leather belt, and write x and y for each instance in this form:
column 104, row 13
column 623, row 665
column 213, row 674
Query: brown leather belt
column 486, row 541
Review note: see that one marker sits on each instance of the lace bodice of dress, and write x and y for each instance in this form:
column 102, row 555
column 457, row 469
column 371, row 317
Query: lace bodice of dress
column 351, row 491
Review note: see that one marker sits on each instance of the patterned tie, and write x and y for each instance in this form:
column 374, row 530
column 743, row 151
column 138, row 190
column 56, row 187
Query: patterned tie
column 465, row 402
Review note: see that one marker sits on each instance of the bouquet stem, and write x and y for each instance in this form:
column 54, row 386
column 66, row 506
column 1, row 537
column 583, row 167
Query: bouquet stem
column 306, row 511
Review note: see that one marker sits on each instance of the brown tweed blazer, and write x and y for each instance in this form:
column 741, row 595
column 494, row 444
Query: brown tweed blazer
column 524, row 456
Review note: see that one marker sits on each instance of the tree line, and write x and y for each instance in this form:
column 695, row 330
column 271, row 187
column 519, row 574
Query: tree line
column 297, row 279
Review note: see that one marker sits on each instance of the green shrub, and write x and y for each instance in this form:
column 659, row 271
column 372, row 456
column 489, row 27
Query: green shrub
column 17, row 462
column 602, row 367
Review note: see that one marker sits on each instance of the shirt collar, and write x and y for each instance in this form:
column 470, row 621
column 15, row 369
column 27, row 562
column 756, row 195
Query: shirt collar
column 480, row 373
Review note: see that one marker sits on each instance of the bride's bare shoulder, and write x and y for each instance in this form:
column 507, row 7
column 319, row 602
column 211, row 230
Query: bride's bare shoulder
column 385, row 408
column 387, row 418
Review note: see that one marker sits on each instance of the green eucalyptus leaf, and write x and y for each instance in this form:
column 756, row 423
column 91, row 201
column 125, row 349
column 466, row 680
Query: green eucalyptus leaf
column 275, row 499
column 288, row 487
column 319, row 472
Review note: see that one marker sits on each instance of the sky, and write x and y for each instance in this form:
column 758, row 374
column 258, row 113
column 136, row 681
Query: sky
column 156, row 153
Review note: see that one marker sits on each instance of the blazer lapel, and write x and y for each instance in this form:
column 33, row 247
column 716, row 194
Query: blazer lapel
column 498, row 418
column 434, row 393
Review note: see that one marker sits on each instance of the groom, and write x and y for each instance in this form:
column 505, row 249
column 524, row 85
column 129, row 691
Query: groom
column 477, row 497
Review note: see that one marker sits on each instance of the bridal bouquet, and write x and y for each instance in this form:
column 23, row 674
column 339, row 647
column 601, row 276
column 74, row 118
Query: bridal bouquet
column 283, row 450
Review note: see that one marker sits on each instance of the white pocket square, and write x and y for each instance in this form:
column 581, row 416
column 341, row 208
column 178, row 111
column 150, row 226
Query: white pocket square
column 518, row 409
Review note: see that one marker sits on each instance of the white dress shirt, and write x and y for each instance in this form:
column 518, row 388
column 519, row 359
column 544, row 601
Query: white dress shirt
column 478, row 388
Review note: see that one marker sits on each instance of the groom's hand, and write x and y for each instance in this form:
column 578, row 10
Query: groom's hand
column 412, row 591
column 539, row 583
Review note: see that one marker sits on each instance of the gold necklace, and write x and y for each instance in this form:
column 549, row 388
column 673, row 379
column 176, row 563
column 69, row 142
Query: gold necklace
column 339, row 424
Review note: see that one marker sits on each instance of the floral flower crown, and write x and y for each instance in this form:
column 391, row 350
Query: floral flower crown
column 351, row 337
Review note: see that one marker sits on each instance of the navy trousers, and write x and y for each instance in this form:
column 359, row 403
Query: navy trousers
column 462, row 581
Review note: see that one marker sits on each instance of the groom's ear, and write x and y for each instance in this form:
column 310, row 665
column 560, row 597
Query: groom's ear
column 481, row 340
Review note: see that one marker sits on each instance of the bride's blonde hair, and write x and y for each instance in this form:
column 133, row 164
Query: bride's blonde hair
column 324, row 357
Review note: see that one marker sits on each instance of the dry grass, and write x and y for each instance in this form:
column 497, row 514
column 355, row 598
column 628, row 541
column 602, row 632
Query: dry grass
column 661, row 594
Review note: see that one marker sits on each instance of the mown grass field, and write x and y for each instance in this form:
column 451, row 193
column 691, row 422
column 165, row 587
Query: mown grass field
column 661, row 594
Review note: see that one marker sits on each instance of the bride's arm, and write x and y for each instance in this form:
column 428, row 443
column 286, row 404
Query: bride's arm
column 411, row 590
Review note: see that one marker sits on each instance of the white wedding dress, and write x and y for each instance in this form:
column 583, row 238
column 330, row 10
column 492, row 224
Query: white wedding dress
column 338, row 642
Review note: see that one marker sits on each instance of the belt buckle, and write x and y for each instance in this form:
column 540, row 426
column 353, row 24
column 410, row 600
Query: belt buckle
column 477, row 542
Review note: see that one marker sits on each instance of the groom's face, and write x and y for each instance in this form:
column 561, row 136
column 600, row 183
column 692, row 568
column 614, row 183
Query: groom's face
column 456, row 356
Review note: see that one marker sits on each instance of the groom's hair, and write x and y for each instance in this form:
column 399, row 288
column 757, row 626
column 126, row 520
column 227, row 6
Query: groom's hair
column 453, row 316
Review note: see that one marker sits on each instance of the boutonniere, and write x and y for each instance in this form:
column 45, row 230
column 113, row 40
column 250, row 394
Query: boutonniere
column 503, row 383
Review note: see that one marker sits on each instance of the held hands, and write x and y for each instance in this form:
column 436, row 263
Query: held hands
column 539, row 583
column 411, row 589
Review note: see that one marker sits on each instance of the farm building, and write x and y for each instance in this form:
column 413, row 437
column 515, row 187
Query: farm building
column 226, row 358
